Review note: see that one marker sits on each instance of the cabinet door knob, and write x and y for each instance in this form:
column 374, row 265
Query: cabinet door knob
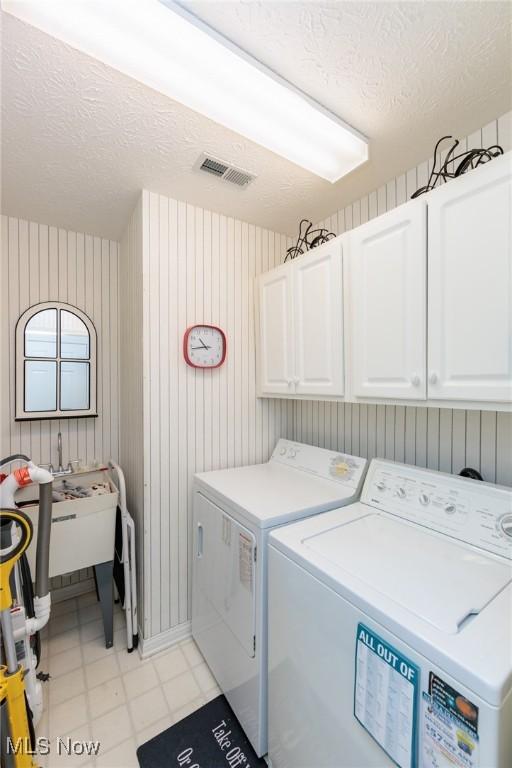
column 289, row 382
column 415, row 380
column 296, row 380
column 433, row 377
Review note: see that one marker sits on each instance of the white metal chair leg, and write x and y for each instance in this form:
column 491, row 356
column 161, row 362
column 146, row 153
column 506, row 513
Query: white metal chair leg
column 127, row 559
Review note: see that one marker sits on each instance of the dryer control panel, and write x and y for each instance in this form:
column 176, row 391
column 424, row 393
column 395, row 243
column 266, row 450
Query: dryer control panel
column 468, row 510
column 329, row 465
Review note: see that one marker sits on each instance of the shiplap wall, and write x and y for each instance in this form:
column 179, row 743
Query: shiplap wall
column 43, row 263
column 197, row 267
column 131, row 436
column 437, row 438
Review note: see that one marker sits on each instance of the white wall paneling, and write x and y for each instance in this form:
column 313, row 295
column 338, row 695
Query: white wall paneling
column 195, row 266
column 43, row 263
column 131, row 457
column 442, row 438
column 438, row 438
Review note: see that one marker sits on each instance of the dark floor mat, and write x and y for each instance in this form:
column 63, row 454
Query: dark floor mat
column 211, row 737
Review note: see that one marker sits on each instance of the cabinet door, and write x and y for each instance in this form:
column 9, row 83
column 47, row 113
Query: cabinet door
column 276, row 363
column 387, row 294
column 318, row 328
column 470, row 286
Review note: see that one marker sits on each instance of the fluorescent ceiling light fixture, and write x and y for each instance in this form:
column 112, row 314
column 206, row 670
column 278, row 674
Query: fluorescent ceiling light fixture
column 163, row 46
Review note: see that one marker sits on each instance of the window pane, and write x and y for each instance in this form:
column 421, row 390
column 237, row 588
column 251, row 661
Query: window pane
column 74, row 386
column 41, row 334
column 40, row 385
column 74, row 336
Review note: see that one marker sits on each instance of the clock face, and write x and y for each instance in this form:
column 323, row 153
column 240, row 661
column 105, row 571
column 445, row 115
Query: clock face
column 204, row 346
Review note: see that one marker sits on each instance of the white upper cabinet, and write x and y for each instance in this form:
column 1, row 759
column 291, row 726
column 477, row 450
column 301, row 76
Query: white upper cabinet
column 404, row 317
column 470, row 286
column 387, row 296
column 300, row 345
column 276, row 343
column 318, row 326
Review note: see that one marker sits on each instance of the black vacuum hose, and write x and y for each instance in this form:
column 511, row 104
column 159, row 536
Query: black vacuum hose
column 14, row 457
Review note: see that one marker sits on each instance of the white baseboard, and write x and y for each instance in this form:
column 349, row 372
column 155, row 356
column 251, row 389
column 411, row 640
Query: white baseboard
column 72, row 590
column 151, row 645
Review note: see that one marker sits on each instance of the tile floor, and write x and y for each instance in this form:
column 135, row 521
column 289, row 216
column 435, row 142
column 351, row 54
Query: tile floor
column 111, row 695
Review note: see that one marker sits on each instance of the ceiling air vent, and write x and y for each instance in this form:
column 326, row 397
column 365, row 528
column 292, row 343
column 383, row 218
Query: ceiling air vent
column 212, row 166
column 224, row 171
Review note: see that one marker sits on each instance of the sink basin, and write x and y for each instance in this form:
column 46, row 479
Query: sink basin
column 83, row 529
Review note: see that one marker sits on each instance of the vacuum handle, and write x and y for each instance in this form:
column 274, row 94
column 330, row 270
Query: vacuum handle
column 8, row 556
column 43, row 539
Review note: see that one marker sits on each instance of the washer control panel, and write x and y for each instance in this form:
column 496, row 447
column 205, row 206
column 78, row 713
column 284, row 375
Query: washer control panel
column 471, row 511
column 329, row 465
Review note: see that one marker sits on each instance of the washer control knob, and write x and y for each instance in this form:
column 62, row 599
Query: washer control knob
column 505, row 524
column 400, row 492
column 450, row 509
column 282, row 451
column 381, row 485
column 292, row 453
column 424, row 499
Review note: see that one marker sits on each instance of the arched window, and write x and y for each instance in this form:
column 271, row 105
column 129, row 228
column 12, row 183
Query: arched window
column 55, row 363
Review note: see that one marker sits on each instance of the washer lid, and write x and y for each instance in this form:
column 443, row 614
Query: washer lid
column 436, row 579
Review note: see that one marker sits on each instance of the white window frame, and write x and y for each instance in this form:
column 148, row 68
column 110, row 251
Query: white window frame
column 21, row 358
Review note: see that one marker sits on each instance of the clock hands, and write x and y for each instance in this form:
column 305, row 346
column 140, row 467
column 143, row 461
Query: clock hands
column 203, row 345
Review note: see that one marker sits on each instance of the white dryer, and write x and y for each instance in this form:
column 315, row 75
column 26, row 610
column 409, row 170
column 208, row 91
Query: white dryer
column 390, row 628
column 234, row 511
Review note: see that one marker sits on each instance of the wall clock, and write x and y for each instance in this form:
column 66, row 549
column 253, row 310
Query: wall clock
column 204, row 346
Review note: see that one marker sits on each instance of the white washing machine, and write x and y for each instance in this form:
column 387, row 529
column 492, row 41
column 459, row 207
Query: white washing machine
column 234, row 511
column 390, row 628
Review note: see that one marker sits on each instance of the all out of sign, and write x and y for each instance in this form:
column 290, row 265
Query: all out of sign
column 388, row 655
column 385, row 696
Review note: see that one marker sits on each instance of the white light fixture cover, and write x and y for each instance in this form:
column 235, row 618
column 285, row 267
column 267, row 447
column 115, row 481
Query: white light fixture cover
column 168, row 49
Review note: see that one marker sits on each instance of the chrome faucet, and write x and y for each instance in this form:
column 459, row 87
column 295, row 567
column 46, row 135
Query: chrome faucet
column 59, row 450
column 60, row 469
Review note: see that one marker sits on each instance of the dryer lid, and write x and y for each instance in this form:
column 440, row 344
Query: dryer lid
column 436, row 579
column 271, row 494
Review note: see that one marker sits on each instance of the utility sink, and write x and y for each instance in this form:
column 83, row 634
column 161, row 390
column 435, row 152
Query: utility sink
column 82, row 534
column 83, row 529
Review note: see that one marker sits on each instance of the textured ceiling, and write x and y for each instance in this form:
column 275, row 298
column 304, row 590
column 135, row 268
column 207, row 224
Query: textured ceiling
column 80, row 139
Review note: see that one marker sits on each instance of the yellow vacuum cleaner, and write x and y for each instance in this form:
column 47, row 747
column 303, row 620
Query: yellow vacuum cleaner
column 16, row 748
